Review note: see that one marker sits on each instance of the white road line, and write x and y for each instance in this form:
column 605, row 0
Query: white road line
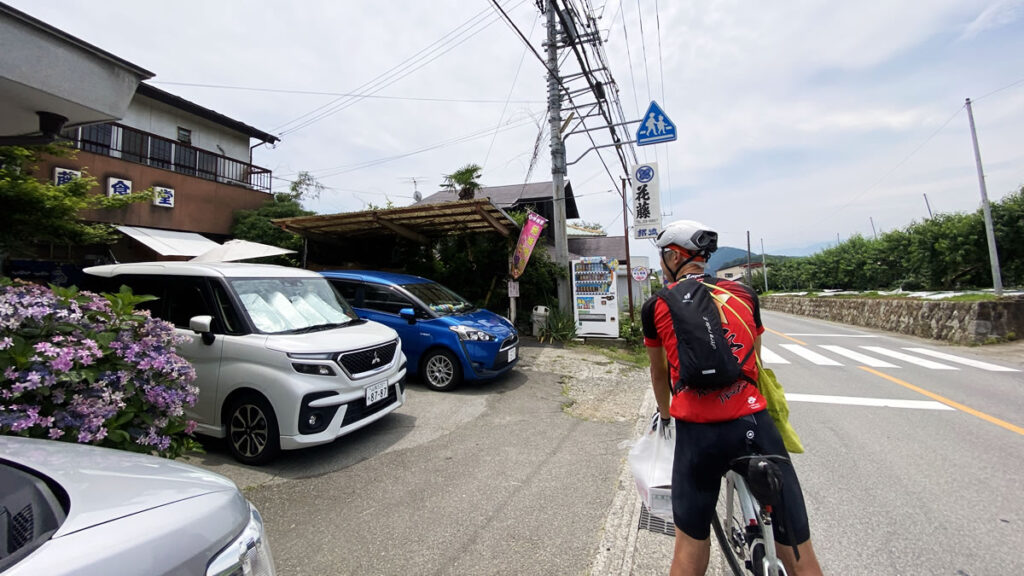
column 769, row 357
column 909, row 358
column 834, row 335
column 857, row 401
column 964, row 361
column 862, row 358
column 811, row 355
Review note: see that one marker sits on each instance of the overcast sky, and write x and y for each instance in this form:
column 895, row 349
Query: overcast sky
column 797, row 120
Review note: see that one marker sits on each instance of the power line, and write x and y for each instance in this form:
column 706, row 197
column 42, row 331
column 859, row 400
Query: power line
column 344, row 94
column 664, row 101
column 901, row 162
column 643, row 44
column 1011, row 85
column 480, row 22
column 511, row 89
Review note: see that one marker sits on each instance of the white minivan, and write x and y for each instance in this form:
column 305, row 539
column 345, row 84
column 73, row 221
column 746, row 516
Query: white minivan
column 282, row 361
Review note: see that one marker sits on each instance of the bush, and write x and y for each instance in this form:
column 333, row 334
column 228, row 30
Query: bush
column 81, row 367
column 560, row 327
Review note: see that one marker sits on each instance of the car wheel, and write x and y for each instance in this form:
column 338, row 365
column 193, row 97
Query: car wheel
column 441, row 370
column 253, row 435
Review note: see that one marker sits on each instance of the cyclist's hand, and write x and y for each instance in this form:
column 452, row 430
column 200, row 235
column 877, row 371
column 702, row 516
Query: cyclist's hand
column 661, row 425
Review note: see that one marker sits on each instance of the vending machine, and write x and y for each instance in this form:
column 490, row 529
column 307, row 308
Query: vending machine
column 593, row 290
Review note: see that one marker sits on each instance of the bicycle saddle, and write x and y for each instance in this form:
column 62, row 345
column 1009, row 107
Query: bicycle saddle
column 763, row 476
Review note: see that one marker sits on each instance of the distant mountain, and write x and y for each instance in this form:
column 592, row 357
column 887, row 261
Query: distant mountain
column 806, row 250
column 724, row 255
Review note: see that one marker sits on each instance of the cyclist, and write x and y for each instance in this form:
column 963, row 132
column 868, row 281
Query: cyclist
column 712, row 428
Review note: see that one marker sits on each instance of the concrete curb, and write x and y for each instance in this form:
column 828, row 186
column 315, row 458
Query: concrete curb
column 616, row 555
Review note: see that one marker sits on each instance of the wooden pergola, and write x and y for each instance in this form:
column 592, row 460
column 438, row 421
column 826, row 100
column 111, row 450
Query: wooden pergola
column 420, row 223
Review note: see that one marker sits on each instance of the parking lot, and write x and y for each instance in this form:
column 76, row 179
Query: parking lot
column 511, row 476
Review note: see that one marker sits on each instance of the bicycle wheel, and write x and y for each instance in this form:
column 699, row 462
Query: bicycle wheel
column 729, row 526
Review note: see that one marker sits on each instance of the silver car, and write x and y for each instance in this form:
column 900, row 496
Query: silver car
column 75, row 509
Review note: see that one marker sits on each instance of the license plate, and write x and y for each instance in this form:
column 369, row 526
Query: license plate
column 512, row 352
column 376, row 392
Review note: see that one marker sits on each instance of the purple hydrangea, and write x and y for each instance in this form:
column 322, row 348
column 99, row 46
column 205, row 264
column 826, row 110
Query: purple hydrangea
column 74, row 369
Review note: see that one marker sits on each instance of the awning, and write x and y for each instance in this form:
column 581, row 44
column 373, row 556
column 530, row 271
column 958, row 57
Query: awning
column 170, row 242
column 234, row 250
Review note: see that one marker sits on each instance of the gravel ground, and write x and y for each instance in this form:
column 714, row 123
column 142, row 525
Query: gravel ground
column 596, row 387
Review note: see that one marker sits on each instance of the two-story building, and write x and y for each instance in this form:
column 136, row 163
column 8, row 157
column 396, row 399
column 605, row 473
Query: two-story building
column 197, row 160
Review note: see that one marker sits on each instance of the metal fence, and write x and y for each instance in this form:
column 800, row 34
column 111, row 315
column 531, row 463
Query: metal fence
column 134, row 145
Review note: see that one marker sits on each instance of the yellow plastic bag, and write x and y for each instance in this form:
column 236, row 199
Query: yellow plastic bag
column 778, row 409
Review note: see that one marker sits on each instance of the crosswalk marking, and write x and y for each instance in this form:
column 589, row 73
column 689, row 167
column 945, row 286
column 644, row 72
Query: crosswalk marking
column 769, row 357
column 964, row 361
column 909, row 358
column 857, row 356
column 858, row 401
column 811, row 355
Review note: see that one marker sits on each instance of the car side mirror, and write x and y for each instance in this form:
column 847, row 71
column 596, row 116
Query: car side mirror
column 408, row 314
column 203, row 325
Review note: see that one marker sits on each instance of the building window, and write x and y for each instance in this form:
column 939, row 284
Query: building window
column 184, row 135
column 185, row 160
column 96, row 138
column 134, row 145
column 160, row 153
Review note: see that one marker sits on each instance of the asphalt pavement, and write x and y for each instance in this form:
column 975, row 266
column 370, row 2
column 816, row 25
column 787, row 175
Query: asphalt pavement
column 912, row 467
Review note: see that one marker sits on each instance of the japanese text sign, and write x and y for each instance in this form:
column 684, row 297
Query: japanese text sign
column 163, row 197
column 646, row 201
column 118, row 187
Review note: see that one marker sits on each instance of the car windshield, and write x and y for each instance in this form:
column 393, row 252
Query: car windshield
column 438, row 298
column 292, row 305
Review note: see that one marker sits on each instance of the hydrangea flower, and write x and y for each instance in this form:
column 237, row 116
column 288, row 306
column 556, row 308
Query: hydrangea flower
column 77, row 366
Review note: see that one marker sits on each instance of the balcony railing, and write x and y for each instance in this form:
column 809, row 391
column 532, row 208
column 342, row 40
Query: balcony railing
column 134, row 145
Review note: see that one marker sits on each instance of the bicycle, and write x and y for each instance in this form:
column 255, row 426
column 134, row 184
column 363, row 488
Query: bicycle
column 746, row 536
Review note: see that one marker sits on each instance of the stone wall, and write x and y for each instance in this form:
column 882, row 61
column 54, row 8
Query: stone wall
column 955, row 322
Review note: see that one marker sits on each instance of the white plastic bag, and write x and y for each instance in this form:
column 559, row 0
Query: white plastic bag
column 650, row 460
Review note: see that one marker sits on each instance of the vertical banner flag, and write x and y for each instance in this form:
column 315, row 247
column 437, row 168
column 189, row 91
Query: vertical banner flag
column 646, row 201
column 527, row 240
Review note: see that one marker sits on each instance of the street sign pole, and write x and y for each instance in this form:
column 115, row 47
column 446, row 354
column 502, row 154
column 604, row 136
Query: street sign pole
column 625, row 238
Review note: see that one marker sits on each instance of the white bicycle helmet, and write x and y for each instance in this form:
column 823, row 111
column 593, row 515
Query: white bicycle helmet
column 689, row 235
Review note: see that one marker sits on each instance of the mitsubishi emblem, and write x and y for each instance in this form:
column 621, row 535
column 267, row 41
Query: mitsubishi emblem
column 376, row 359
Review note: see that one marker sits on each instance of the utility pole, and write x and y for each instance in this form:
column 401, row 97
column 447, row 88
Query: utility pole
column 838, row 242
column 873, row 231
column 990, row 233
column 750, row 278
column 927, row 205
column 557, row 157
column 625, row 234
column 764, row 266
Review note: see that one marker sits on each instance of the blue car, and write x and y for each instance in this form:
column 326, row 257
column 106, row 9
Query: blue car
column 445, row 338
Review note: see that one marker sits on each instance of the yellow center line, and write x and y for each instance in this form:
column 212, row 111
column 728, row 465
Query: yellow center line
column 777, row 333
column 948, row 402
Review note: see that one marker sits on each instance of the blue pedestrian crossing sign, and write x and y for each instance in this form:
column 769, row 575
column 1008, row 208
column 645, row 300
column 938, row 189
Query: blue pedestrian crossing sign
column 655, row 127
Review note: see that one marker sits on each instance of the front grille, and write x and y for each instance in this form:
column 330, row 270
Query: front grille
column 357, row 409
column 367, row 360
column 510, row 341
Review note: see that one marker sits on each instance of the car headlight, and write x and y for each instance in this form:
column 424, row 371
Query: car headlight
column 467, row 333
column 247, row 555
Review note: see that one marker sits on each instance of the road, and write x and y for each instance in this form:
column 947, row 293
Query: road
column 493, row 478
column 914, row 460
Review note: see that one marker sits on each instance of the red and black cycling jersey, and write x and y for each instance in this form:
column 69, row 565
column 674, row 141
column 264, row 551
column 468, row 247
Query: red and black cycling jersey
column 730, row 402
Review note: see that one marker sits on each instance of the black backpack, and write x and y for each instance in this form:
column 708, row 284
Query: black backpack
column 706, row 359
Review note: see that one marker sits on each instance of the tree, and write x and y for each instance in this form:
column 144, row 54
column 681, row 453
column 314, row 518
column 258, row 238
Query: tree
column 256, row 225
column 36, row 211
column 464, row 181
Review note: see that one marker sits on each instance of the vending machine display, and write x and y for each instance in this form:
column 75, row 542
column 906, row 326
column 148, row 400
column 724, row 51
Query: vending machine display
column 593, row 287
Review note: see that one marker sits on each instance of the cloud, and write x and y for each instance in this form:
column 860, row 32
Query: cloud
column 994, row 16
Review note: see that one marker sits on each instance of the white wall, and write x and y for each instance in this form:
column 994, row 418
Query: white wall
column 163, row 120
column 640, row 289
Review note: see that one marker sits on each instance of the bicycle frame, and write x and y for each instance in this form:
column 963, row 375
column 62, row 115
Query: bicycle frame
column 753, row 514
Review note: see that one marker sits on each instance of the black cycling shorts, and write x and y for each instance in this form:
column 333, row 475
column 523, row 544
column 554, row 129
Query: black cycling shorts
column 702, row 456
